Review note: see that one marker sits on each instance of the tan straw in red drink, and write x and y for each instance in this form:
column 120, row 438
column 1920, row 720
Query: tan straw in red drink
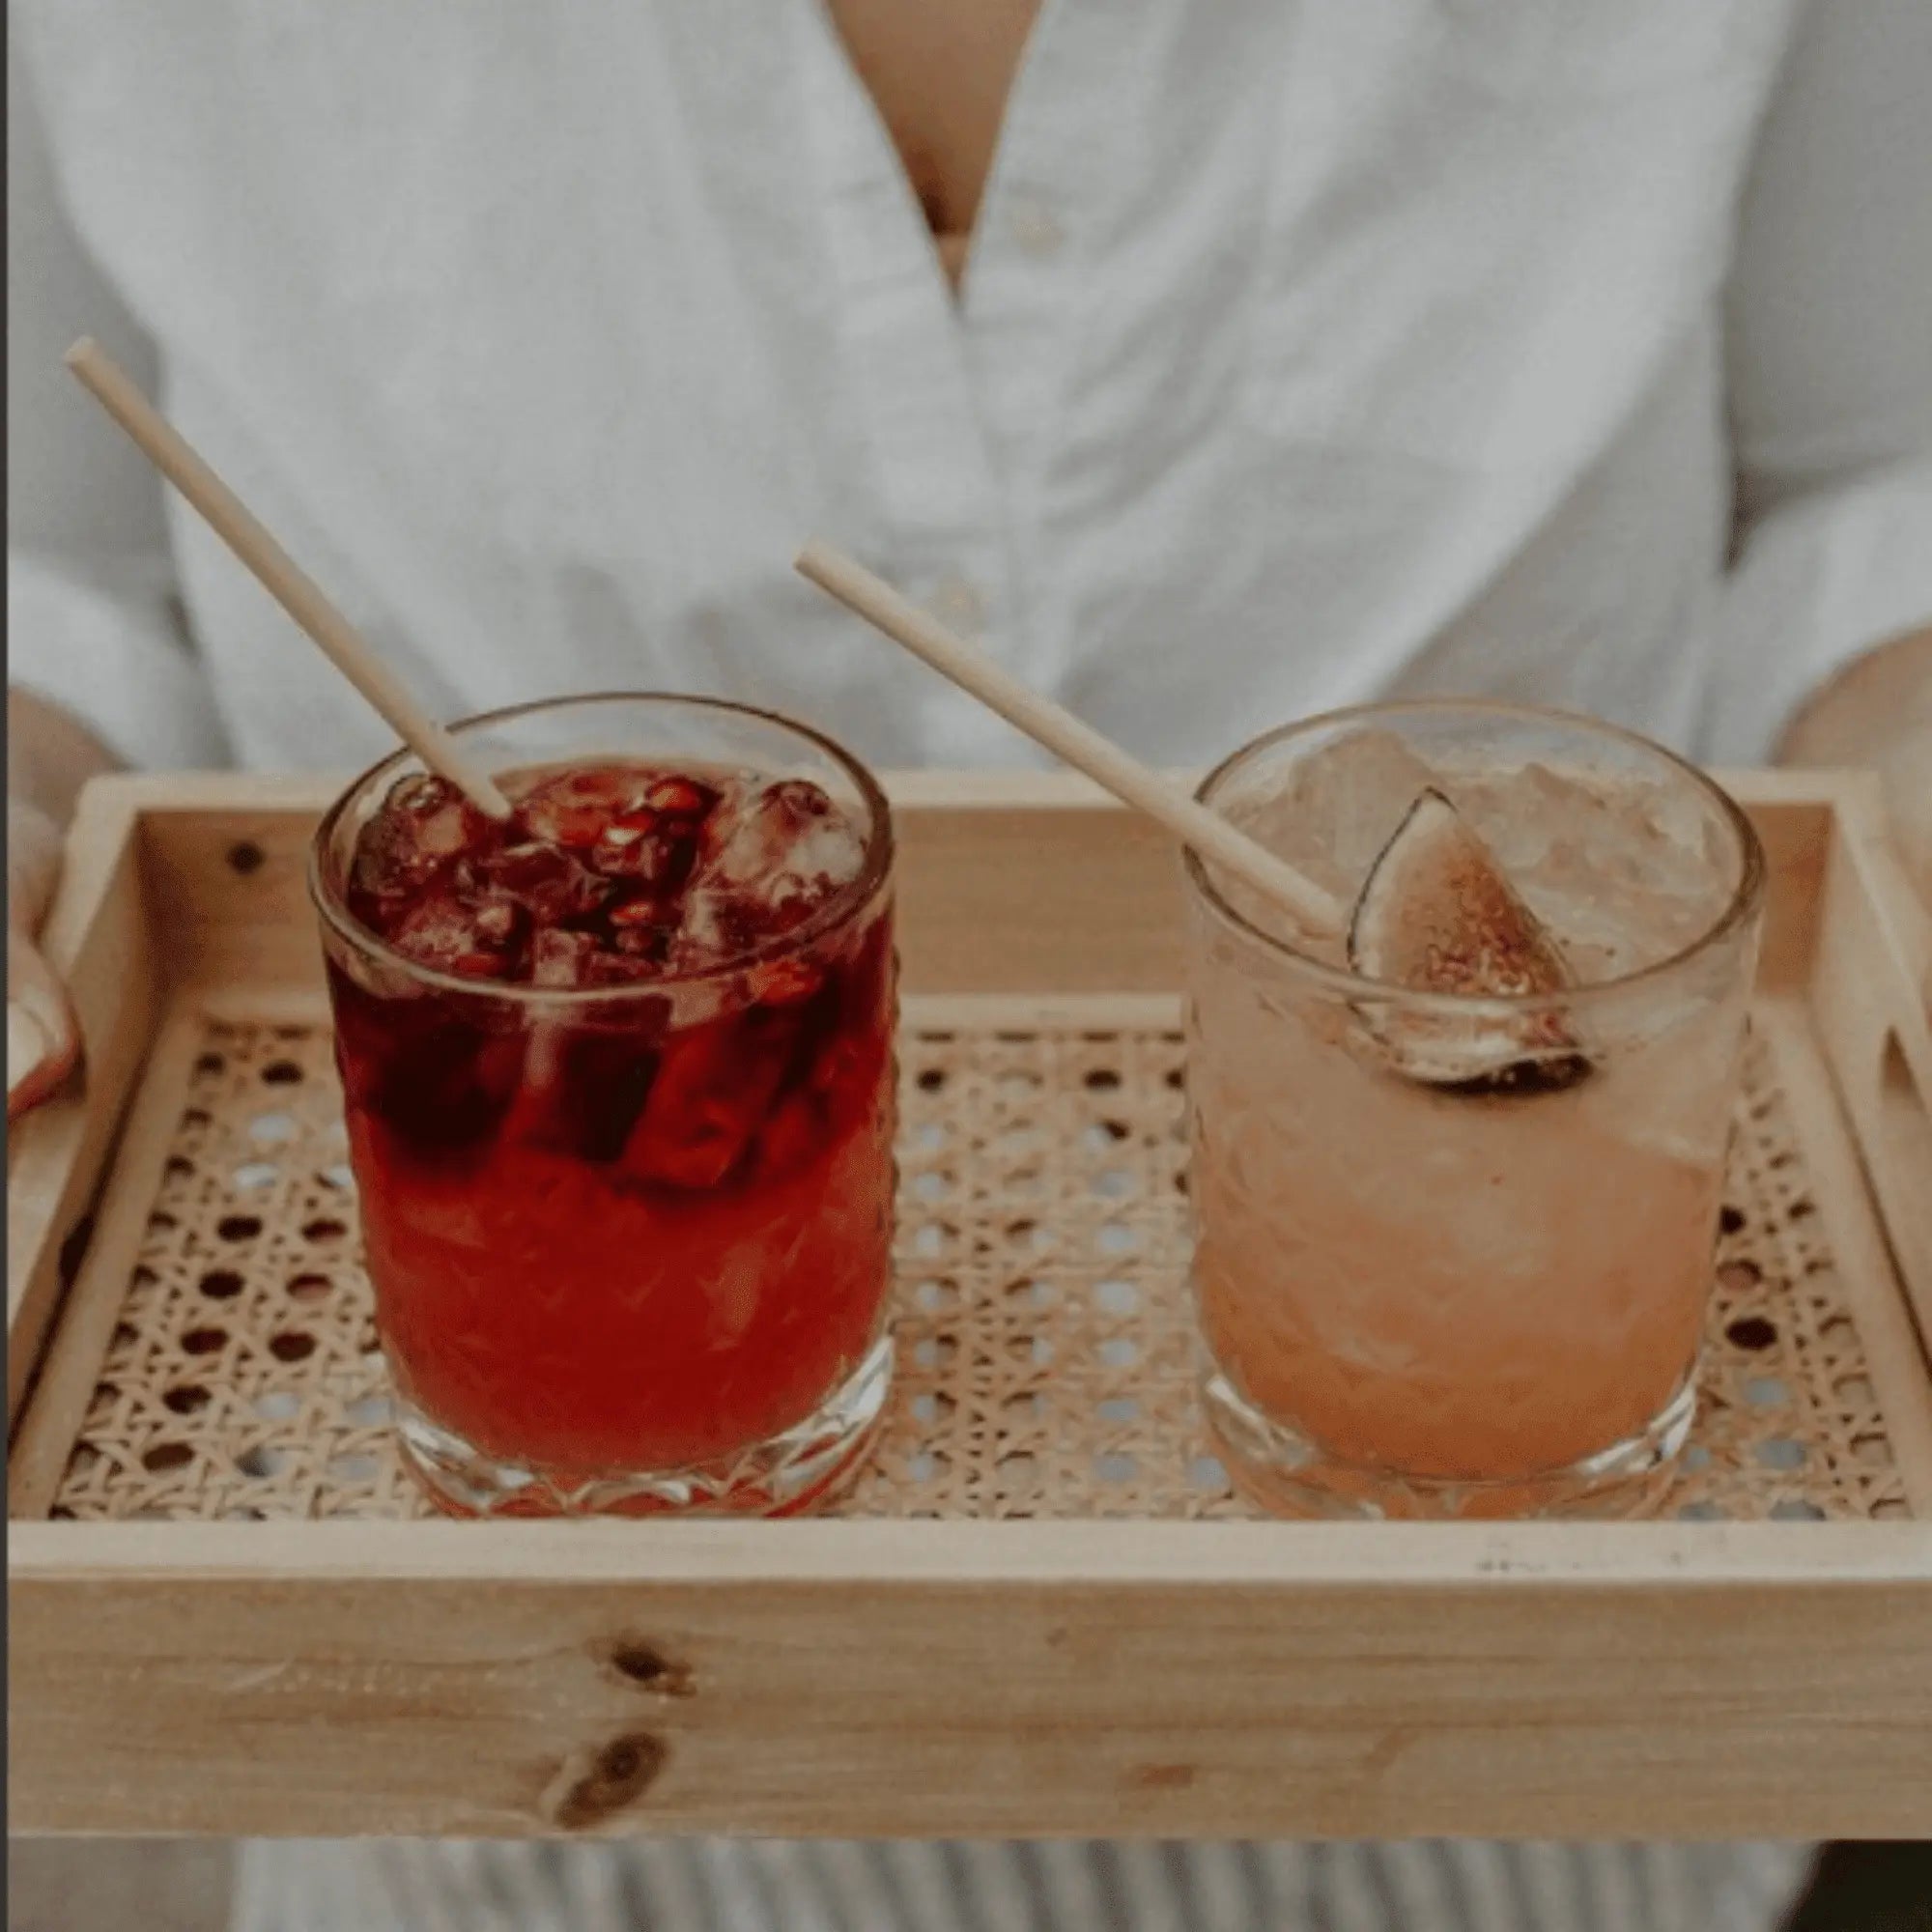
column 1068, row 738
column 280, row 575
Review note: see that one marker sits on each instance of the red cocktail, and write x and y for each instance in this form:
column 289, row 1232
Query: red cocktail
column 618, row 1083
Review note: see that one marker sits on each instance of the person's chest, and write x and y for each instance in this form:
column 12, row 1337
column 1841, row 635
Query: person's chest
column 1421, row 224
column 589, row 316
column 940, row 75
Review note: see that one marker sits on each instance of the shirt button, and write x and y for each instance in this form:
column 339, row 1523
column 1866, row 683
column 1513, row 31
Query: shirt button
column 1035, row 226
column 957, row 603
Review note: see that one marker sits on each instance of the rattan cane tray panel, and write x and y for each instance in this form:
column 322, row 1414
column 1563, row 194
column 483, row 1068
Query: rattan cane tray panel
column 1046, row 1355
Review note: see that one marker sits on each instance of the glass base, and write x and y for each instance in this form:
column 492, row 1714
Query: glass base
column 803, row 1468
column 1286, row 1474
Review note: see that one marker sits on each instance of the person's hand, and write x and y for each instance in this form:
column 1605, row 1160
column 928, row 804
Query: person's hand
column 1878, row 713
column 1906, row 772
column 41, row 1038
column 50, row 756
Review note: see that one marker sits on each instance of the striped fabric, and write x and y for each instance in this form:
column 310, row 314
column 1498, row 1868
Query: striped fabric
column 714, row 1884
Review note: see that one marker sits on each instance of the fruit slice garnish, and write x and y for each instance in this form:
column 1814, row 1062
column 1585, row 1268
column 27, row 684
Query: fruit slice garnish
column 1438, row 914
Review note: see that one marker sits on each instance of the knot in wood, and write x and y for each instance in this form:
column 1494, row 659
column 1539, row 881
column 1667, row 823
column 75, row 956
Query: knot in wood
column 583, row 1793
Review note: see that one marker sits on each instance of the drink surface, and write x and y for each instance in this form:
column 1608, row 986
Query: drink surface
column 1621, row 873
column 1476, row 1284
column 627, row 1193
column 606, row 875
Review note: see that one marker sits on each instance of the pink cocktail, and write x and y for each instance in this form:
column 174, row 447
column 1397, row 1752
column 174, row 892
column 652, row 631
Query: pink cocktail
column 1454, row 1253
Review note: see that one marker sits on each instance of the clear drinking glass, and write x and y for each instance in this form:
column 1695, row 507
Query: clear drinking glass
column 1477, row 1297
column 630, row 1243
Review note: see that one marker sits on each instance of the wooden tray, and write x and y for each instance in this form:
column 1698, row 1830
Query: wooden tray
column 1043, row 1611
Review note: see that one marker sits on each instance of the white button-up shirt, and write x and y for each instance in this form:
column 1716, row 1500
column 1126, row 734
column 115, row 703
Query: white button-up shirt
column 1572, row 350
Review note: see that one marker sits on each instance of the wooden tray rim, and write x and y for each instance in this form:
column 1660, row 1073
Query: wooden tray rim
column 1074, row 1551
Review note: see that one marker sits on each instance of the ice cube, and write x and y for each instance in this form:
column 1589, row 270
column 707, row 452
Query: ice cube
column 795, row 1135
column 1330, row 817
column 442, row 1086
column 573, row 807
column 716, row 927
column 1525, row 816
column 418, row 833
column 554, row 885
column 502, row 923
column 564, row 961
column 651, row 847
column 1618, row 871
column 1676, row 845
column 605, row 1081
column 1355, row 793
column 453, row 935
column 784, row 982
column 767, row 863
column 1339, row 808
column 642, row 948
column 583, row 1084
column 561, row 960
column 786, row 844
column 714, row 1086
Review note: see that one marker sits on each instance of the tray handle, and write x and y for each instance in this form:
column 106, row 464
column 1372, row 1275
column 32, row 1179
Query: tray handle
column 1870, row 992
column 1902, row 1154
column 98, row 939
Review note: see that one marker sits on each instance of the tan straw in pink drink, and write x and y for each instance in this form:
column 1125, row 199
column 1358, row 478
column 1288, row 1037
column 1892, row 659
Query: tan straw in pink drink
column 1069, row 739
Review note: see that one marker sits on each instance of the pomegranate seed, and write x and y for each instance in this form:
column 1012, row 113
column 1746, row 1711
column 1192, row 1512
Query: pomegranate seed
column 636, row 912
column 783, row 982
column 498, row 921
column 476, row 966
column 680, row 798
column 628, row 827
column 560, row 958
